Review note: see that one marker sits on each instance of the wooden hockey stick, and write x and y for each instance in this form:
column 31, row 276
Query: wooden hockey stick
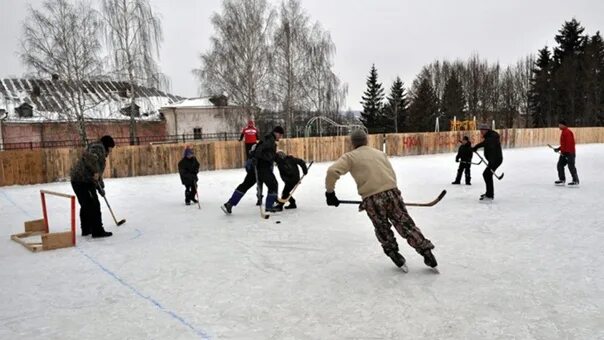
column 427, row 204
column 283, row 201
column 485, row 162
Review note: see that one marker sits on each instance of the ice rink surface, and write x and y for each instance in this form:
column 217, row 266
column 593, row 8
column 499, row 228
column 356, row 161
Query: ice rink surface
column 529, row 265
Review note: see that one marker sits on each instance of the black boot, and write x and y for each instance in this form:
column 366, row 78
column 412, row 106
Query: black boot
column 292, row 204
column 455, row 182
column 397, row 258
column 227, row 208
column 429, row 259
column 102, row 233
column 560, row 182
column 259, row 201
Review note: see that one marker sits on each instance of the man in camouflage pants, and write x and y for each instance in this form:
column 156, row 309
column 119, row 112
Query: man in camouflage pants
column 382, row 200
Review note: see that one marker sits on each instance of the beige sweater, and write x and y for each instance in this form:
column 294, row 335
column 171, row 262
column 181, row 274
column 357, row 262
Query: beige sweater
column 369, row 167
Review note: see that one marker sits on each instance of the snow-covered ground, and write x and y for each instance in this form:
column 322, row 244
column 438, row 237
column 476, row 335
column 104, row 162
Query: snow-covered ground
column 527, row 266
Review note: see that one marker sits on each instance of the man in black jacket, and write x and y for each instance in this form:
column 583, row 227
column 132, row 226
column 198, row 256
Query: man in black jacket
column 493, row 154
column 86, row 180
column 464, row 154
column 259, row 168
column 288, row 169
column 188, row 167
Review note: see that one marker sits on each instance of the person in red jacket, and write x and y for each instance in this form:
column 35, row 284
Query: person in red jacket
column 250, row 135
column 567, row 155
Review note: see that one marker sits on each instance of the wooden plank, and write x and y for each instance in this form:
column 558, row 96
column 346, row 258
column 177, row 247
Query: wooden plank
column 35, row 226
column 32, row 246
column 57, row 193
column 57, row 240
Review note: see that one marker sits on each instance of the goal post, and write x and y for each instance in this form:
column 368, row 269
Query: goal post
column 72, row 200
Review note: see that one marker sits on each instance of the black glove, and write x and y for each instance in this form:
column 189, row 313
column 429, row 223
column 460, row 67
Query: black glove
column 456, row 160
column 556, row 150
column 304, row 171
column 331, row 198
column 474, row 149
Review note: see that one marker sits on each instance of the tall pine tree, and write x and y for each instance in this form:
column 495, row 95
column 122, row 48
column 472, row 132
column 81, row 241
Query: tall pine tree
column 453, row 101
column 568, row 79
column 594, row 81
column 395, row 110
column 424, row 108
column 372, row 102
column 540, row 92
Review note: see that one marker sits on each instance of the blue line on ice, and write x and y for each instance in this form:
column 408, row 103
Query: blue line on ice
column 199, row 332
column 202, row 334
column 13, row 203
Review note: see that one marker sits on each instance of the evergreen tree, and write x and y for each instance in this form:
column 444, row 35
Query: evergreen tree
column 373, row 103
column 395, row 110
column 568, row 78
column 424, row 108
column 594, row 81
column 453, row 101
column 540, row 92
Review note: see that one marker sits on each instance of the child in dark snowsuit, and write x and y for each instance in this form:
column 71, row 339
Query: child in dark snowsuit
column 464, row 158
column 288, row 169
column 188, row 167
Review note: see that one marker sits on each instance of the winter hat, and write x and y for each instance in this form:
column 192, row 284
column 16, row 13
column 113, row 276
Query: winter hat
column 188, row 151
column 279, row 129
column 281, row 154
column 466, row 138
column 563, row 122
column 107, row 142
column 484, row 126
column 358, row 138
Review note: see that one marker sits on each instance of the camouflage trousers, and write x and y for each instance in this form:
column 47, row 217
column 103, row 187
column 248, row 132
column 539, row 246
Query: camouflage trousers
column 387, row 208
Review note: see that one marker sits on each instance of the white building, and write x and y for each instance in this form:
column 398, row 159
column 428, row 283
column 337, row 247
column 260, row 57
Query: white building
column 204, row 116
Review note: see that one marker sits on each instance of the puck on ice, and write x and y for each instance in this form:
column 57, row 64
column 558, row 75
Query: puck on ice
column 277, row 222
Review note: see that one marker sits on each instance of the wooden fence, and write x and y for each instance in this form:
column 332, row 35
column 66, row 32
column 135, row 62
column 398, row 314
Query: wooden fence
column 51, row 165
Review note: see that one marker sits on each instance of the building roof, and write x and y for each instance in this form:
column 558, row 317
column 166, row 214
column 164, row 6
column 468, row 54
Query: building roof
column 209, row 102
column 104, row 99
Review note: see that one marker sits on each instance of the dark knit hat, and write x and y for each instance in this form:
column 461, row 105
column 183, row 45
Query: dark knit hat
column 466, row 138
column 107, row 142
column 563, row 122
column 484, row 126
column 279, row 129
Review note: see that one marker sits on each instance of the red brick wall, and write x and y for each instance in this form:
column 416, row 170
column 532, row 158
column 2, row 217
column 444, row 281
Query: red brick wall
column 39, row 132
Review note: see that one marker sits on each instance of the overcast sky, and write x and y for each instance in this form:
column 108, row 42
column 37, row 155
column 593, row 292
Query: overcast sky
column 399, row 36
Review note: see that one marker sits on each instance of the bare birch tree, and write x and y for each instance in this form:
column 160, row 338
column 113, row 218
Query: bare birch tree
column 238, row 62
column 134, row 35
column 523, row 73
column 62, row 39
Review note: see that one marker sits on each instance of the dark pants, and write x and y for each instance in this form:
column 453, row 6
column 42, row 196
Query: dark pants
column 567, row 159
column 248, row 182
column 386, row 209
column 90, row 208
column 190, row 192
column 287, row 189
column 463, row 166
column 248, row 147
column 266, row 177
column 487, row 174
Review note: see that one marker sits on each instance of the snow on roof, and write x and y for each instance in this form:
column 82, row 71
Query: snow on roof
column 192, row 102
column 104, row 100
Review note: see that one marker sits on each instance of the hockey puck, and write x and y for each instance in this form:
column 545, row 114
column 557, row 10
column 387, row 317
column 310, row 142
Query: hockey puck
column 277, row 222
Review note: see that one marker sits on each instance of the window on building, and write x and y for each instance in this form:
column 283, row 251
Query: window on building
column 25, row 111
column 197, row 133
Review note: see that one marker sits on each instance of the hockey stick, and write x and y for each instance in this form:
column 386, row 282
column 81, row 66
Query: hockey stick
column 262, row 213
column 112, row 215
column 197, row 196
column 281, row 200
column 492, row 171
column 427, row 204
column 471, row 162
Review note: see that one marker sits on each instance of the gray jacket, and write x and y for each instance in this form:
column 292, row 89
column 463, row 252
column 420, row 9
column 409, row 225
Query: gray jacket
column 92, row 161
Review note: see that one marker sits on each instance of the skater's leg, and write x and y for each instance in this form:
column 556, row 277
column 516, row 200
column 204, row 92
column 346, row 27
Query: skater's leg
column 404, row 224
column 488, row 180
column 459, row 172
column 468, row 176
column 570, row 159
column 248, row 182
column 561, row 164
column 376, row 209
column 86, row 207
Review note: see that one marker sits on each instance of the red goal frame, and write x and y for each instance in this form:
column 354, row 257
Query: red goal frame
column 72, row 199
